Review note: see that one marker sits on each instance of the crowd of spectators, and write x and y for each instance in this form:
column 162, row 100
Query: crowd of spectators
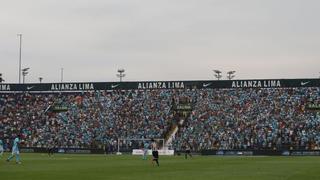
column 220, row 118
column 252, row 119
column 93, row 118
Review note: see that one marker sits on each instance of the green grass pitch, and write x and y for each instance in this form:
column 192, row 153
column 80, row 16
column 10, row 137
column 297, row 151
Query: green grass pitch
column 112, row 167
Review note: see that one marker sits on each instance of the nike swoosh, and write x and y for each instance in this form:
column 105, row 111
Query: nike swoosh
column 28, row 88
column 114, row 86
column 206, row 85
column 305, row 83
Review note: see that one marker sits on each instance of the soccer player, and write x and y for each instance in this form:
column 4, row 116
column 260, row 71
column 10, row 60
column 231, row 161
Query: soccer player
column 145, row 150
column 1, row 148
column 50, row 148
column 15, row 150
column 155, row 153
column 105, row 148
column 188, row 151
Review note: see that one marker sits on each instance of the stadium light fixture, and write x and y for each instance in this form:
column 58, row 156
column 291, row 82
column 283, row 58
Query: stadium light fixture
column 121, row 74
column 218, row 74
column 61, row 75
column 20, row 40
column 231, row 74
column 24, row 73
column 1, row 79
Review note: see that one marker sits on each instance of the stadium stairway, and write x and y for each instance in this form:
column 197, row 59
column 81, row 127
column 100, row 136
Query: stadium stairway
column 182, row 111
column 171, row 135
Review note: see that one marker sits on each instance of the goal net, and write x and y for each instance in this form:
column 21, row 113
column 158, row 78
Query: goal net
column 136, row 146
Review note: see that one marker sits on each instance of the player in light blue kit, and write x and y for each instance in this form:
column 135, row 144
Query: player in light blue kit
column 1, row 148
column 15, row 150
column 145, row 150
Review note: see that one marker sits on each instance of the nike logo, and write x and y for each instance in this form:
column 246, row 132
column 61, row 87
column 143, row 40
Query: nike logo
column 29, row 87
column 305, row 83
column 114, row 86
column 206, row 85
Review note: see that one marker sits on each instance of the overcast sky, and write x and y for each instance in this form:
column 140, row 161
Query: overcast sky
column 160, row 40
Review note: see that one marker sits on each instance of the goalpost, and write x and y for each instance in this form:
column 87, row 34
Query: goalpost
column 136, row 144
column 122, row 141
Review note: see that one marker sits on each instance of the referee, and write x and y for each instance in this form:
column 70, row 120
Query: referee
column 155, row 152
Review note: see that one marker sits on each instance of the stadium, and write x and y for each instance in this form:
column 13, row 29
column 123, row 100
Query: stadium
column 235, row 129
column 159, row 90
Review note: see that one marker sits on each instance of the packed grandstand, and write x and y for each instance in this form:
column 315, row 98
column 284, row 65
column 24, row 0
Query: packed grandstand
column 215, row 118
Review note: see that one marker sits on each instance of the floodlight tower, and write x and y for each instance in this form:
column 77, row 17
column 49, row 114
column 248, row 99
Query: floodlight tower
column 20, row 40
column 218, row 74
column 121, row 74
column 231, row 74
column 1, row 79
column 24, row 73
column 61, row 75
